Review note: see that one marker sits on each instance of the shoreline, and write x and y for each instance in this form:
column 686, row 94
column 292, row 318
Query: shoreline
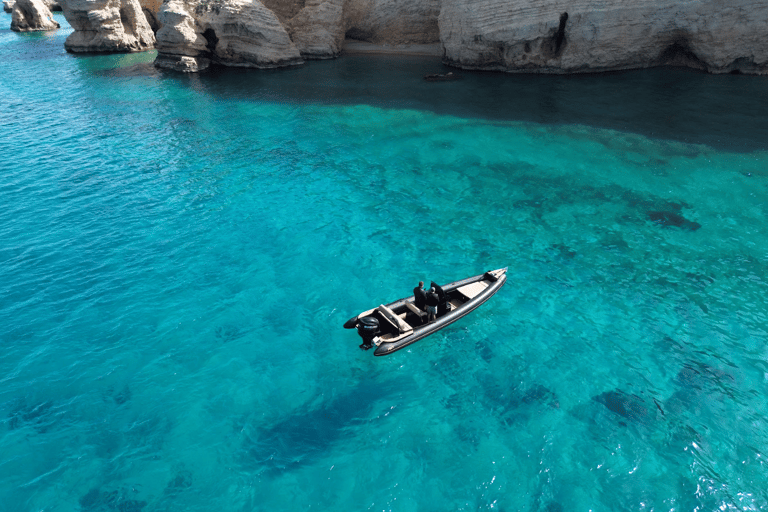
column 353, row 47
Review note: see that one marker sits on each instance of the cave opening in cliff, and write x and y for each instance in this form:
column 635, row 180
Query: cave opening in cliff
column 359, row 34
column 560, row 35
column 127, row 22
column 210, row 39
column 151, row 19
column 553, row 47
column 679, row 54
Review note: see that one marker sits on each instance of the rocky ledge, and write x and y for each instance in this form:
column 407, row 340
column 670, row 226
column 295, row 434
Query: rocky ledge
column 535, row 36
column 32, row 16
column 107, row 26
column 272, row 33
column 235, row 33
column 547, row 36
column 53, row 5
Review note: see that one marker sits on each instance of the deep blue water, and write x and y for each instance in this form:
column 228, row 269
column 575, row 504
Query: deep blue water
column 179, row 253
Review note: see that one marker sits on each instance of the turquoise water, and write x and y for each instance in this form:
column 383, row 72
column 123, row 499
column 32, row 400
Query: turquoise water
column 179, row 253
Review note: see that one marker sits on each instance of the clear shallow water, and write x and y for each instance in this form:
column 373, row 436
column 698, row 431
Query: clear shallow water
column 179, row 253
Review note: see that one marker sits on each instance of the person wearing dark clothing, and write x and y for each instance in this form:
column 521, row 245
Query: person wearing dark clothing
column 420, row 296
column 432, row 301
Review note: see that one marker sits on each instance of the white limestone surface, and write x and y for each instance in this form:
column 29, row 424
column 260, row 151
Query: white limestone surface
column 232, row 32
column 549, row 36
column 107, row 26
column 32, row 16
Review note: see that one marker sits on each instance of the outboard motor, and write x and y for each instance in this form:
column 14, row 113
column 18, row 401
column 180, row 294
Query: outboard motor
column 367, row 328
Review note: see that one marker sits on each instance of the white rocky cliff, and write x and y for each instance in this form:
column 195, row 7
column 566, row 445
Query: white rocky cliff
column 284, row 32
column 234, row 32
column 32, row 16
column 548, row 36
column 53, row 5
column 107, row 26
column 541, row 36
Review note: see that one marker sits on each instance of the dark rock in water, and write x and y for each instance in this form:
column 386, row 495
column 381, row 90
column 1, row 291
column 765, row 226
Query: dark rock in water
column 447, row 77
column 38, row 416
column 528, row 203
column 306, row 435
column 698, row 376
column 122, row 396
column 701, row 281
column 515, row 404
column 484, row 350
column 631, row 407
column 228, row 332
column 103, row 501
column 564, row 251
column 540, row 394
column 182, row 481
column 672, row 219
column 553, row 506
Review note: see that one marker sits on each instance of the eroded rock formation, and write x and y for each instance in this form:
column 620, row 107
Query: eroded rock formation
column 269, row 34
column 542, row 36
column 107, row 26
column 232, row 32
column 53, row 5
column 393, row 22
column 596, row 35
column 150, row 8
column 318, row 29
column 32, row 16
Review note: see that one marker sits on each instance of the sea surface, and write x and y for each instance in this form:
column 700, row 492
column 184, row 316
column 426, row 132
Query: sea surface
column 178, row 254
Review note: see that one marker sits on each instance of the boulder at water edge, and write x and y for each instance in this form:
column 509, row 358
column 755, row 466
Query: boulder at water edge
column 233, row 33
column 318, row 29
column 32, row 16
column 107, row 26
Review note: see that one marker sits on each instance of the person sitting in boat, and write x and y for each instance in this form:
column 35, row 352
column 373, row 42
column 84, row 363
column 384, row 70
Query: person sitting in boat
column 432, row 301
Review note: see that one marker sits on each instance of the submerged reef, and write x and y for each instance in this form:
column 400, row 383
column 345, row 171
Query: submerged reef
column 672, row 219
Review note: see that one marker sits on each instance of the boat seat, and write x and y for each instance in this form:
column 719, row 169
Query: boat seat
column 415, row 310
column 395, row 320
column 454, row 304
column 472, row 290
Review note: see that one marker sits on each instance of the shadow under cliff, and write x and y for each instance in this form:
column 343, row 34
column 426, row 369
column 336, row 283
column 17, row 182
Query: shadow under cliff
column 727, row 112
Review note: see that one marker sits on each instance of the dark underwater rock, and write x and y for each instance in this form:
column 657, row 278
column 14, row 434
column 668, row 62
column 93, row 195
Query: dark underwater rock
column 541, row 395
column 306, row 435
column 631, row 407
column 39, row 415
column 182, row 481
column 698, row 376
column 672, row 219
column 96, row 500
column 447, row 77
column 122, row 396
column 563, row 251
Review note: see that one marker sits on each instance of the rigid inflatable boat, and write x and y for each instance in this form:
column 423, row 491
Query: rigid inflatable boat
column 396, row 325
